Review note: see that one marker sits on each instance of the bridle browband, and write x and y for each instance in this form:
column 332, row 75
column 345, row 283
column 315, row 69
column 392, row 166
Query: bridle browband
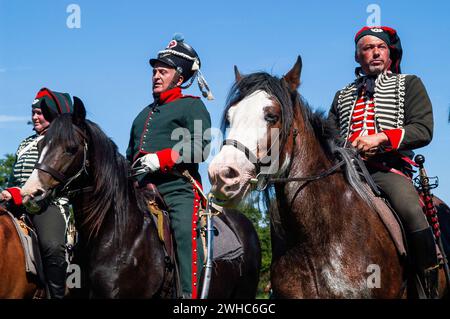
column 60, row 177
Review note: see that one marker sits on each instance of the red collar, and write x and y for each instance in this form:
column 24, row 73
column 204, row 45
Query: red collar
column 170, row 95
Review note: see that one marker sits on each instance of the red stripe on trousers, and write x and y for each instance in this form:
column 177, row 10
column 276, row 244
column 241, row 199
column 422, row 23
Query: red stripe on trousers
column 195, row 217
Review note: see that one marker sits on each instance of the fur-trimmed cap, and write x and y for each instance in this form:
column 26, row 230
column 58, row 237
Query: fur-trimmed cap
column 390, row 37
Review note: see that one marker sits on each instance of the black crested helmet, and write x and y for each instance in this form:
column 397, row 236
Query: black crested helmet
column 180, row 56
column 186, row 61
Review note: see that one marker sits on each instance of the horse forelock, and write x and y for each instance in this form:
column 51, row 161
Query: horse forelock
column 61, row 132
column 260, row 81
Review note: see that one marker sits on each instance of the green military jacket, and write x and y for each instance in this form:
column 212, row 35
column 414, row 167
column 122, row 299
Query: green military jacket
column 183, row 125
column 402, row 107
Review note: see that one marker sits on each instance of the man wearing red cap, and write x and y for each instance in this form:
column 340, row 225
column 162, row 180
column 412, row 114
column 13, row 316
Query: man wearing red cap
column 385, row 115
column 50, row 221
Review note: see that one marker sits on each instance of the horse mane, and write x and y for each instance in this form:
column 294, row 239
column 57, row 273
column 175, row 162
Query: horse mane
column 325, row 132
column 109, row 169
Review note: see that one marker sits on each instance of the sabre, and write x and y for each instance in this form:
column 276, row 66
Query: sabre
column 431, row 211
column 209, row 234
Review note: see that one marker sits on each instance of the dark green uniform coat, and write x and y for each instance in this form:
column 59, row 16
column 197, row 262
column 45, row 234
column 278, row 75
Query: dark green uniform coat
column 180, row 123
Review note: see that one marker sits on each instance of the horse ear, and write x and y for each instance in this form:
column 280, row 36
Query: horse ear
column 79, row 111
column 237, row 74
column 49, row 115
column 293, row 76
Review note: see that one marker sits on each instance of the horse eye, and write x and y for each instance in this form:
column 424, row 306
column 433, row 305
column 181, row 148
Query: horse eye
column 71, row 150
column 271, row 118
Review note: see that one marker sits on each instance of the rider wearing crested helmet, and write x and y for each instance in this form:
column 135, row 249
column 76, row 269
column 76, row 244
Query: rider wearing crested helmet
column 169, row 136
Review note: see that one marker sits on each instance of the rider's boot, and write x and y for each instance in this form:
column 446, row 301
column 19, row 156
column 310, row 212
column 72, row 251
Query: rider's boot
column 55, row 272
column 424, row 260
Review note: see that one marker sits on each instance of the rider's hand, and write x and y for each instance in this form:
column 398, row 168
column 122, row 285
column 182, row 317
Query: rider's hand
column 369, row 144
column 5, row 196
column 151, row 161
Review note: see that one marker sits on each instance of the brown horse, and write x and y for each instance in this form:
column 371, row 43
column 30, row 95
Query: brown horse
column 119, row 251
column 328, row 242
column 14, row 281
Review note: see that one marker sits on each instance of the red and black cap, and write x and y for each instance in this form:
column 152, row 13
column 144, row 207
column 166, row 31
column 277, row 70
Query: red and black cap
column 390, row 37
column 57, row 103
column 179, row 55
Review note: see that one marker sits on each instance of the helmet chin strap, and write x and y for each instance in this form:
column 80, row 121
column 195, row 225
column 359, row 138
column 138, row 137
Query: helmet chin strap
column 173, row 83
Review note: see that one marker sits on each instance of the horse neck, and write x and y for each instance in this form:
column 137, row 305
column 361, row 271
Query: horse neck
column 310, row 208
column 128, row 221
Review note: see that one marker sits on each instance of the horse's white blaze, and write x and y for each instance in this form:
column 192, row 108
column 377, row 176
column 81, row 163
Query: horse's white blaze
column 247, row 126
column 337, row 280
column 33, row 182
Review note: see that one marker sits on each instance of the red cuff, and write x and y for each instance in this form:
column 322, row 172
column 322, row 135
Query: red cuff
column 395, row 137
column 15, row 193
column 167, row 159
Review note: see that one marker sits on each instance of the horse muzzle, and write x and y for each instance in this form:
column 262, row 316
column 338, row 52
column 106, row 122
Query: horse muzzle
column 227, row 184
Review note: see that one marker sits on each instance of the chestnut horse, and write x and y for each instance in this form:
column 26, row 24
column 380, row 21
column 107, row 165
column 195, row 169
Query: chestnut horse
column 119, row 253
column 15, row 283
column 328, row 241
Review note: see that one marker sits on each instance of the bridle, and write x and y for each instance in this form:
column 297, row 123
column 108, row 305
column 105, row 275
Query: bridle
column 60, row 177
column 262, row 180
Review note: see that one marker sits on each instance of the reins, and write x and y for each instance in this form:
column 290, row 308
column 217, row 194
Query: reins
column 310, row 178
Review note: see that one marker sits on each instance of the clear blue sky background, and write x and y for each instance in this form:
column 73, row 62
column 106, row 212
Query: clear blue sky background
column 105, row 62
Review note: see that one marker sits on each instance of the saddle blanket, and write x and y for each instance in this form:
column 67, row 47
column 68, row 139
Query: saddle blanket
column 227, row 245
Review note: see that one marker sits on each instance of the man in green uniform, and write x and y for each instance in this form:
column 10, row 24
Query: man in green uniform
column 171, row 135
column 385, row 115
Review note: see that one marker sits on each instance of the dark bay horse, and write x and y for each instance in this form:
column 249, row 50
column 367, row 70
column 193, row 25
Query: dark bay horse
column 14, row 281
column 328, row 241
column 120, row 254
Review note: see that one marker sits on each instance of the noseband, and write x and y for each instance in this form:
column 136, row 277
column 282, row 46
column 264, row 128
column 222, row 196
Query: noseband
column 60, row 177
column 262, row 179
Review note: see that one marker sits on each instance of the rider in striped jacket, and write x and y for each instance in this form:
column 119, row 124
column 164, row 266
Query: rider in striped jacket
column 51, row 220
column 385, row 115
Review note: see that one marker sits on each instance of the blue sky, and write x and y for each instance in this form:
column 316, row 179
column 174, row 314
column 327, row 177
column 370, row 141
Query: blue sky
column 105, row 62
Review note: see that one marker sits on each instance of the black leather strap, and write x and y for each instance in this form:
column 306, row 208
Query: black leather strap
column 54, row 173
column 248, row 154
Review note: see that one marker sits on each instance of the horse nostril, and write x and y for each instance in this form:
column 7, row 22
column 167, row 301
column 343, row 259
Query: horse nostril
column 229, row 173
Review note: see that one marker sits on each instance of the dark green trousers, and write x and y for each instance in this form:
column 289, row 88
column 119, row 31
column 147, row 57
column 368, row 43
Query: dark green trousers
column 403, row 197
column 181, row 203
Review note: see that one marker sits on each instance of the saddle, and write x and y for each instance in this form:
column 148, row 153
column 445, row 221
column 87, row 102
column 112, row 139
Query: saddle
column 30, row 244
column 359, row 177
column 227, row 245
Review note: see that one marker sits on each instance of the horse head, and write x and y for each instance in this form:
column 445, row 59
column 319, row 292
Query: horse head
column 63, row 154
column 258, row 120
